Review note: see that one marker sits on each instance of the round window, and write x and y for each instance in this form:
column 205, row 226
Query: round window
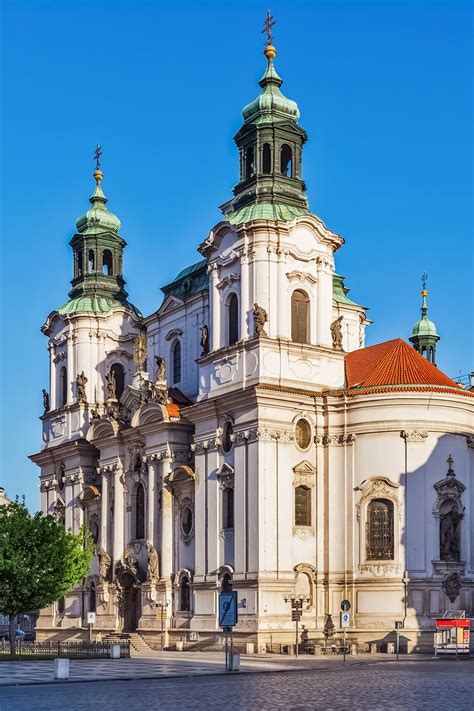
column 187, row 520
column 303, row 434
column 227, row 437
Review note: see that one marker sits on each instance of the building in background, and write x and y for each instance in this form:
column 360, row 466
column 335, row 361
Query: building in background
column 242, row 436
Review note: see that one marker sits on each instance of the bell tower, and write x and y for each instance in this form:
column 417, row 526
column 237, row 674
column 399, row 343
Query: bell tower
column 424, row 335
column 270, row 144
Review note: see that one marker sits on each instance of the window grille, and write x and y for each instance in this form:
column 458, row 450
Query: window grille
column 380, row 544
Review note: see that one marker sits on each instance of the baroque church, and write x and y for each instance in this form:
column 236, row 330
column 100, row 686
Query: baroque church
column 242, row 437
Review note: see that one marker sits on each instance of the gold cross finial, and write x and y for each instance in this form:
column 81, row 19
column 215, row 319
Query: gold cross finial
column 267, row 27
column 98, row 174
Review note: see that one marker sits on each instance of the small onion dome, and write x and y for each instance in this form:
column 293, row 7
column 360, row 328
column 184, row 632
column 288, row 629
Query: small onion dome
column 271, row 105
column 424, row 327
column 98, row 218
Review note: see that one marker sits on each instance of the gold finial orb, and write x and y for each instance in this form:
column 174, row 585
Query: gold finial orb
column 424, row 292
column 270, row 52
column 98, row 175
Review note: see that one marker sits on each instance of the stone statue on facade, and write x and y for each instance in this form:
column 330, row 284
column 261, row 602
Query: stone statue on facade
column 336, row 332
column 204, row 340
column 260, row 317
column 160, row 369
column 111, row 385
column 449, row 534
column 105, row 563
column 140, row 350
column 130, row 562
column 45, row 400
column 81, row 382
column 153, row 563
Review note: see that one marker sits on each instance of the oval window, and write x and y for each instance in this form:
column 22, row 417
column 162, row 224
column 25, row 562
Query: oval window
column 187, row 520
column 303, row 434
column 227, row 437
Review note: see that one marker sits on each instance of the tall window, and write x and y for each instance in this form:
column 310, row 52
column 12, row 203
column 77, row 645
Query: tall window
column 286, row 162
column 380, row 544
column 140, row 512
column 299, row 317
column 233, row 319
column 107, row 263
column 249, row 163
column 119, row 379
column 62, row 386
column 302, row 506
column 184, row 594
column 177, row 362
column 228, row 508
column 266, row 158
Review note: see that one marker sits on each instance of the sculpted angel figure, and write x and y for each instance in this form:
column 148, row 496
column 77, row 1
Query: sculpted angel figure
column 336, row 332
column 105, row 561
column 260, row 317
column 153, row 563
column 204, row 340
column 160, row 369
column 81, row 382
column 111, row 385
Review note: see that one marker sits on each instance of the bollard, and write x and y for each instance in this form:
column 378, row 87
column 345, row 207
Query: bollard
column 250, row 648
column 373, row 648
column 115, row 651
column 353, row 649
column 61, row 668
column 179, row 646
column 390, row 648
column 235, row 662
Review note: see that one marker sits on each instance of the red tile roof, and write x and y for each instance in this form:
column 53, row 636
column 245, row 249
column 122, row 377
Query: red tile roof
column 392, row 363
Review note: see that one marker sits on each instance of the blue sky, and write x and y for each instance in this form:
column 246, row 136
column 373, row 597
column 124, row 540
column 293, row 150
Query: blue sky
column 385, row 93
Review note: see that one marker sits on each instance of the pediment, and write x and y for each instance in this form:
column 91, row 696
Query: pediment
column 169, row 304
column 304, row 467
column 100, row 429
column 148, row 413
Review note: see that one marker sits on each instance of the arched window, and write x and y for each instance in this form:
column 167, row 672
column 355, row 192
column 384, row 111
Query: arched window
column 92, row 598
column 228, row 508
column 140, row 512
column 286, row 161
column 63, row 386
column 379, row 538
column 299, row 317
column 233, row 319
column 266, row 158
column 79, row 263
column 91, row 261
column 302, row 506
column 184, row 594
column 119, row 373
column 60, row 476
column 177, row 363
column 107, row 263
column 249, row 163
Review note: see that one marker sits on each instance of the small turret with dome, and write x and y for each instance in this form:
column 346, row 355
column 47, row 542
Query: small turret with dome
column 270, row 144
column 98, row 285
column 424, row 334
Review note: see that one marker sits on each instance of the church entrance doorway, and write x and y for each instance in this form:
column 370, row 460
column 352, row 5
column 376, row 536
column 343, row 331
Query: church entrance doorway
column 131, row 604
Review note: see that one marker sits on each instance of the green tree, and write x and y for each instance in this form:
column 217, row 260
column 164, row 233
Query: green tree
column 39, row 561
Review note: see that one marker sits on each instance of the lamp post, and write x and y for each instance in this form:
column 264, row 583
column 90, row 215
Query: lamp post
column 296, row 611
column 162, row 608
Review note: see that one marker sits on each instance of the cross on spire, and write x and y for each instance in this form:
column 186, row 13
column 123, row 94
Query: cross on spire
column 267, row 27
column 424, row 279
column 97, row 154
column 450, row 461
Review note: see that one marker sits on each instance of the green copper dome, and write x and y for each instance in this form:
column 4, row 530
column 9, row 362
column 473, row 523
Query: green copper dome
column 98, row 218
column 271, row 105
column 424, row 327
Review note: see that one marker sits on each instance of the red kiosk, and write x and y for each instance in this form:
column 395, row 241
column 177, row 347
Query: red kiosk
column 452, row 633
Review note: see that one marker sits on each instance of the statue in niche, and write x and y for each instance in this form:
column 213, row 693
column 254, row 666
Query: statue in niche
column 81, row 382
column 449, row 534
column 204, row 340
column 260, row 317
column 160, row 369
column 153, row 563
column 111, row 385
column 45, row 400
column 336, row 332
column 105, row 563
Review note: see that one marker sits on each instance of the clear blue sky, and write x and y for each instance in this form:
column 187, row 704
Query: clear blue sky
column 385, row 93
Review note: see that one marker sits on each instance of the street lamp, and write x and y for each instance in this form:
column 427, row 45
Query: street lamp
column 296, row 611
column 162, row 608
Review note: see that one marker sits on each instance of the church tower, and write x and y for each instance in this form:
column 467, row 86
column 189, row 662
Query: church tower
column 424, row 335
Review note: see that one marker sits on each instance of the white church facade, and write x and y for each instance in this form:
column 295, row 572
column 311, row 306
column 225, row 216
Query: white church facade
column 243, row 437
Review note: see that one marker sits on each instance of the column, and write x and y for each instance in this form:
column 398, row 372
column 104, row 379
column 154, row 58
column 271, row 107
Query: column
column 245, row 328
column 70, row 368
column 324, row 303
column 214, row 308
column 166, row 522
column 118, row 515
column 282, row 297
column 150, row 510
column 104, row 506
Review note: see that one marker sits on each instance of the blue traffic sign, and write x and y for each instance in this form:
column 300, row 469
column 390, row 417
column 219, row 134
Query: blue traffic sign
column 228, row 609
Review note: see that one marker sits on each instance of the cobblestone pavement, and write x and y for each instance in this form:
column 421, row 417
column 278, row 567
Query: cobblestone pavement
column 370, row 685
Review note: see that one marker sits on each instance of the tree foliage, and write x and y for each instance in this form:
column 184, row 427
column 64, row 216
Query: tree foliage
column 39, row 560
